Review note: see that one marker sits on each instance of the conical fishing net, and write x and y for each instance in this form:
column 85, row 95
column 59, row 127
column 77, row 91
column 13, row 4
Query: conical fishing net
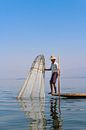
column 34, row 84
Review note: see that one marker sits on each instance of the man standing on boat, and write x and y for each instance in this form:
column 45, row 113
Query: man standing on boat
column 55, row 72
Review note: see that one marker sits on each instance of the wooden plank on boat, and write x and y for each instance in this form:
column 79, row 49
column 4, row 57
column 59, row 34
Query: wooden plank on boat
column 71, row 95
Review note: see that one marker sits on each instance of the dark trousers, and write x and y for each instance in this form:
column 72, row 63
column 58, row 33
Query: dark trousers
column 53, row 81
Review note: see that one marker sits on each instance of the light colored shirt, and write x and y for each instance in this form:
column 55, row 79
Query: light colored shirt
column 54, row 67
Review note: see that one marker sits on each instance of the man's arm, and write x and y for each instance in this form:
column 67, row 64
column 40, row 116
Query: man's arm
column 48, row 69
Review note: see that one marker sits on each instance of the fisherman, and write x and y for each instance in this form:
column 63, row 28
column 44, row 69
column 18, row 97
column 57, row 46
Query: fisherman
column 54, row 76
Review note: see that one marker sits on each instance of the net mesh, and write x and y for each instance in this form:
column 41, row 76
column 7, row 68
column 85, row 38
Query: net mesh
column 34, row 84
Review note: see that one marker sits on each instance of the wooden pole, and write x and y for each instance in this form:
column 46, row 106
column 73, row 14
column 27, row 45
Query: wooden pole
column 59, row 76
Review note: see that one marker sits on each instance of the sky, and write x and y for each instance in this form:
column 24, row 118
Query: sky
column 32, row 27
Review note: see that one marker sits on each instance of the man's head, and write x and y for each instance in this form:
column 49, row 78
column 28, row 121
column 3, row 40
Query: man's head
column 53, row 59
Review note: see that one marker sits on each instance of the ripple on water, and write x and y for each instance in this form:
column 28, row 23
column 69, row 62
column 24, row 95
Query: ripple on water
column 48, row 114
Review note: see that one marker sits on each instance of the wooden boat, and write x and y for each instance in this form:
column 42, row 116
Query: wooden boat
column 71, row 95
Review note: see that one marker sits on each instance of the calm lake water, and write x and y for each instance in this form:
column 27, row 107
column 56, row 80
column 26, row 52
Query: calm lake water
column 48, row 114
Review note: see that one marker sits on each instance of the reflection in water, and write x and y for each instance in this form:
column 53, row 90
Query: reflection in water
column 34, row 109
column 35, row 113
column 55, row 113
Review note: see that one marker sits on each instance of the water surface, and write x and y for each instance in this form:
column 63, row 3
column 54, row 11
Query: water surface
column 48, row 114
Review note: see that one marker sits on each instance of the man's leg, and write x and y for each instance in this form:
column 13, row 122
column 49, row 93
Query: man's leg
column 55, row 75
column 51, row 86
column 55, row 89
